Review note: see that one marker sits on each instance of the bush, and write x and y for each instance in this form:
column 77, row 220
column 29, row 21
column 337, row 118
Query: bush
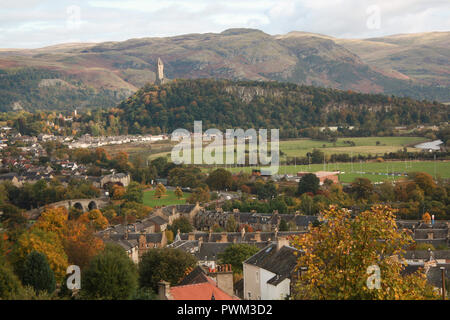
column 9, row 282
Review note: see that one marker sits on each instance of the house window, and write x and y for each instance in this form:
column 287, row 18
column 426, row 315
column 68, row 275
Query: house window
column 257, row 276
column 249, row 295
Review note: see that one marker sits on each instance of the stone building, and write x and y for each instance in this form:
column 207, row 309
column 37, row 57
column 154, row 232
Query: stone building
column 122, row 179
column 265, row 222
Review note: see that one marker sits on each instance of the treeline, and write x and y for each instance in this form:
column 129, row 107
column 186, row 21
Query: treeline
column 317, row 157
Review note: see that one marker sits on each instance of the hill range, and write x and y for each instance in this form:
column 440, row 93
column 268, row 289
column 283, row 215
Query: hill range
column 81, row 75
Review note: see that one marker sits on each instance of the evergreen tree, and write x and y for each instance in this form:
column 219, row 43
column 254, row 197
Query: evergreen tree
column 37, row 273
column 308, row 183
column 111, row 275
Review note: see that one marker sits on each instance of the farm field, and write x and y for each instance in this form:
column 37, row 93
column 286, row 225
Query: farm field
column 362, row 145
column 374, row 171
column 146, row 150
column 168, row 199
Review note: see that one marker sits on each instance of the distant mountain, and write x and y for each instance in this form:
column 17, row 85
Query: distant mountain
column 99, row 75
column 423, row 57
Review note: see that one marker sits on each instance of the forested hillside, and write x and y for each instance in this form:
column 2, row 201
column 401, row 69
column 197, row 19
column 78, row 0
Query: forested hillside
column 251, row 104
column 40, row 89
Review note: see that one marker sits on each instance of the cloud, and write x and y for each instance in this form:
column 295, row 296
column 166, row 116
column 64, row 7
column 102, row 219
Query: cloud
column 36, row 23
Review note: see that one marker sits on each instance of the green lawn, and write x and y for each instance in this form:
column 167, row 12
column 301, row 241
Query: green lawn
column 168, row 199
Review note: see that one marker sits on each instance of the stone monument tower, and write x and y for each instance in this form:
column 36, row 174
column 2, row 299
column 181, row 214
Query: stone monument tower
column 160, row 72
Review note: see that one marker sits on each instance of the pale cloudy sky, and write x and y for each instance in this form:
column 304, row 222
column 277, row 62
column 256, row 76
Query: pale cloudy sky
column 38, row 23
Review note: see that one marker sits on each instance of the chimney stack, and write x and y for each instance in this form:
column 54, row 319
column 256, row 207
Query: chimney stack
column 224, row 237
column 257, row 236
column 242, row 234
column 224, row 278
column 281, row 242
column 164, row 290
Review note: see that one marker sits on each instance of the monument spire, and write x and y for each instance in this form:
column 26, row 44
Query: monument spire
column 160, row 72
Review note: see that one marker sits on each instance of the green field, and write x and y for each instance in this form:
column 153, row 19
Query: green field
column 363, row 146
column 168, row 199
column 375, row 171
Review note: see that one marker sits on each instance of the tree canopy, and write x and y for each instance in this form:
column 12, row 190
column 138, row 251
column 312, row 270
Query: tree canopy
column 337, row 255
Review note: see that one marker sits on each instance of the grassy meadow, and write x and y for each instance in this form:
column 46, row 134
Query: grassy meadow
column 168, row 199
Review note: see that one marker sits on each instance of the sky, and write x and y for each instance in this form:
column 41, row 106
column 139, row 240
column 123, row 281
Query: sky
column 40, row 23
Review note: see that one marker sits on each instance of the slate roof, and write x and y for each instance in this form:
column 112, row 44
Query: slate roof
column 410, row 268
column 425, row 255
column 281, row 262
column 434, row 275
column 189, row 246
column 198, row 275
column 185, row 208
column 210, row 250
column 8, row 176
column 126, row 244
column 249, row 237
column 150, row 237
column 158, row 220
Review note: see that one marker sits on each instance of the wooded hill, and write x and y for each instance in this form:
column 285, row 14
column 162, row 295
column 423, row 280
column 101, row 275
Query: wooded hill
column 226, row 104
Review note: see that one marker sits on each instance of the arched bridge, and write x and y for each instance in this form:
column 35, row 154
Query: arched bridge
column 81, row 204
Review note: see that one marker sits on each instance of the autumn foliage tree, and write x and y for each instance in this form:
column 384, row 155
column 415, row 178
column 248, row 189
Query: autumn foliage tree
column 46, row 242
column 81, row 244
column 160, row 191
column 75, row 236
column 199, row 195
column 426, row 217
column 118, row 192
column 95, row 219
column 338, row 253
column 178, row 193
